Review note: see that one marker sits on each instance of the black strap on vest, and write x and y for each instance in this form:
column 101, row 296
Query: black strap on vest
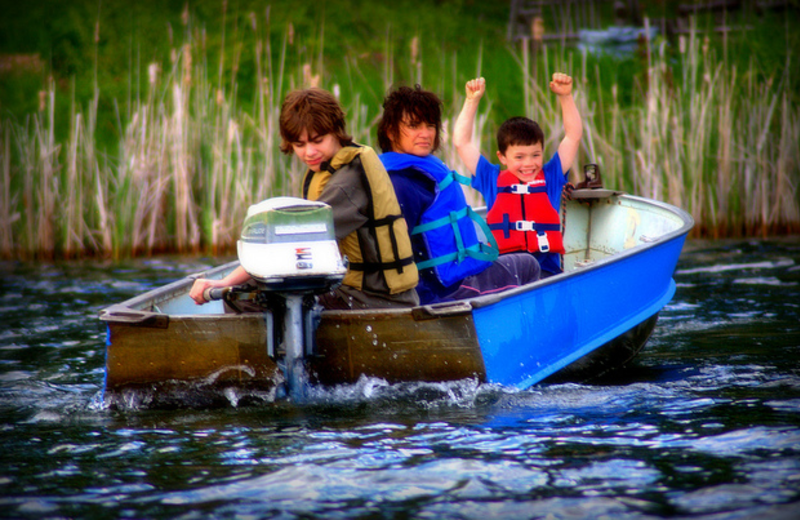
column 373, row 267
column 307, row 182
column 373, row 223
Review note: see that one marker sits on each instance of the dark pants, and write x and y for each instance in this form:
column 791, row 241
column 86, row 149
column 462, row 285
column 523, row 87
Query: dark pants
column 508, row 271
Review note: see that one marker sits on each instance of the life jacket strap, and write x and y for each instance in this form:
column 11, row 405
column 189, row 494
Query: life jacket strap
column 530, row 225
column 480, row 251
column 387, row 222
column 454, row 176
column 444, row 221
column 544, row 243
column 374, row 267
column 522, row 189
column 507, row 226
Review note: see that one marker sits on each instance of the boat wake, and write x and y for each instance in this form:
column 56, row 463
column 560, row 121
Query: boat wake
column 367, row 391
column 181, row 394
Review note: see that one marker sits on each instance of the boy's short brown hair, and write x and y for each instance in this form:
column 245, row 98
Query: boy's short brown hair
column 420, row 106
column 518, row 131
column 315, row 110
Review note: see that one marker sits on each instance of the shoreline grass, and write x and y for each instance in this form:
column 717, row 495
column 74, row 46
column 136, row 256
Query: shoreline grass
column 698, row 134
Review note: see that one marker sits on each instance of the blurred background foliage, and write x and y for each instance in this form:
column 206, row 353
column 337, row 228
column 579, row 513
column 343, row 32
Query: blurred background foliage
column 111, row 42
column 173, row 102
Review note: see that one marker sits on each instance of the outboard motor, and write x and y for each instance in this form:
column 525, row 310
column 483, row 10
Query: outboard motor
column 288, row 244
column 289, row 247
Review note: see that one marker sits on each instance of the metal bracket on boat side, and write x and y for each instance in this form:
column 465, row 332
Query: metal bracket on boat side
column 594, row 194
column 429, row 312
column 590, row 192
column 591, row 187
column 128, row 316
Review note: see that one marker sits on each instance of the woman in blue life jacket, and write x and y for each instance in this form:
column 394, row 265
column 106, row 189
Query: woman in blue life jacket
column 453, row 264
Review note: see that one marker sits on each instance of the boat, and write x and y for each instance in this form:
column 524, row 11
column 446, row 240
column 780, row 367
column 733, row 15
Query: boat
column 595, row 317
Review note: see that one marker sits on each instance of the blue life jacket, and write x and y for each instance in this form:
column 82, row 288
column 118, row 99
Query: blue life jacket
column 447, row 228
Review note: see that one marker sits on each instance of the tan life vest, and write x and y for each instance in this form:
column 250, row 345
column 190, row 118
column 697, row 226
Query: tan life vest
column 386, row 227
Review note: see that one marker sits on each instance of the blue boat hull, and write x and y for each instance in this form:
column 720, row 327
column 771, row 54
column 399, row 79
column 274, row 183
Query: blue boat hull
column 609, row 361
column 531, row 335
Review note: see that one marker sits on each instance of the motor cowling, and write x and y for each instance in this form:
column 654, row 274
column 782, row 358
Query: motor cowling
column 289, row 244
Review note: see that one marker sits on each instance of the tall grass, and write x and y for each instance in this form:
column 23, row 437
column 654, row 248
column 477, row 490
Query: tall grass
column 189, row 163
column 700, row 134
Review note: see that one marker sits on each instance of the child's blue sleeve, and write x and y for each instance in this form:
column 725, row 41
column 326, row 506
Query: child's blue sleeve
column 485, row 180
column 555, row 180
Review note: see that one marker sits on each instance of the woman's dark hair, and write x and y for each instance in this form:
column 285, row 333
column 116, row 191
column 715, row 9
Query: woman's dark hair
column 315, row 110
column 415, row 104
column 518, row 131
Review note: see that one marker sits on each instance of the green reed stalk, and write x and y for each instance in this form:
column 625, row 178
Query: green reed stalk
column 7, row 206
column 37, row 154
column 73, row 208
column 48, row 157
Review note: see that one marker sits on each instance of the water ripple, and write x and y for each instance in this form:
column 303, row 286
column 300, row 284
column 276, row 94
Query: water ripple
column 704, row 425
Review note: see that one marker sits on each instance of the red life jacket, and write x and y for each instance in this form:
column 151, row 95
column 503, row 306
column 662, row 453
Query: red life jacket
column 522, row 218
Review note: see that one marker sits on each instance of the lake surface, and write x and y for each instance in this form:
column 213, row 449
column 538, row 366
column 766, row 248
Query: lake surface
column 705, row 424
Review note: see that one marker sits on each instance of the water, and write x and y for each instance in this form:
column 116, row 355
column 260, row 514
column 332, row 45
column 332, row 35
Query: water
column 705, row 425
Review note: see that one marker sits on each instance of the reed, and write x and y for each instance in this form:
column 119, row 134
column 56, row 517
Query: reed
column 192, row 157
column 8, row 215
column 31, row 170
column 697, row 137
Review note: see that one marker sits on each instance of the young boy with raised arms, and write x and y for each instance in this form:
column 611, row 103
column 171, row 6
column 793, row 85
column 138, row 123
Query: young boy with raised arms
column 523, row 197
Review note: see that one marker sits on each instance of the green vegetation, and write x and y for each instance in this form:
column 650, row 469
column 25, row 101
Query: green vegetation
column 137, row 128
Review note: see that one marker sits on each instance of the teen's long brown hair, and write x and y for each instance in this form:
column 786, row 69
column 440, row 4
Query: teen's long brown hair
column 315, row 110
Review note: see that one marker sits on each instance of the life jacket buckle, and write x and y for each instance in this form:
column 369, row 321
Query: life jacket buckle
column 519, row 189
column 544, row 243
column 524, row 225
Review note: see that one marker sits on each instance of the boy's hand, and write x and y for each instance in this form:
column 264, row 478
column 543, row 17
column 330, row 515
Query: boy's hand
column 475, row 88
column 561, row 84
